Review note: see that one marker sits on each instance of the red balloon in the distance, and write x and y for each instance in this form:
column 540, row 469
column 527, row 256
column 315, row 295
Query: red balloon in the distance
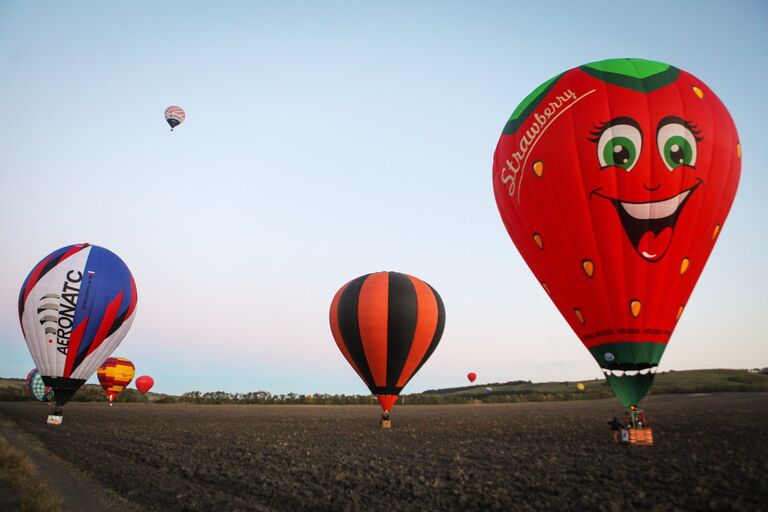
column 472, row 376
column 144, row 383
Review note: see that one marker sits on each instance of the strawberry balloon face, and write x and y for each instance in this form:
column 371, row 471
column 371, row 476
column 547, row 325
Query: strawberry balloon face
column 614, row 180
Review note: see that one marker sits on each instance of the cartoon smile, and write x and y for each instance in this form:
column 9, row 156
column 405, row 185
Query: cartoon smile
column 649, row 226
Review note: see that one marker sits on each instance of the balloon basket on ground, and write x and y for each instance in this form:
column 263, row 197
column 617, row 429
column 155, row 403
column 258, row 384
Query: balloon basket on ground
column 641, row 436
column 637, row 432
column 385, row 422
column 56, row 416
column 55, row 419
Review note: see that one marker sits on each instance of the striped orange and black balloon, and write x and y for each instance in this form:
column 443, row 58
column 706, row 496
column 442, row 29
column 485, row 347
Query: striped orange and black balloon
column 387, row 325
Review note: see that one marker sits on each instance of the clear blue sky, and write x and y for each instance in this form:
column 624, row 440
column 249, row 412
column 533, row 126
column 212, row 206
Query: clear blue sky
column 325, row 140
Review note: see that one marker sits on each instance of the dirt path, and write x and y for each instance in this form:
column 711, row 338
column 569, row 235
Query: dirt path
column 77, row 490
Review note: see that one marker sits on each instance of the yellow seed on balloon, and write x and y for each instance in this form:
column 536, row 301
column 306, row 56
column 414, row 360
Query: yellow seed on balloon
column 684, row 265
column 538, row 168
column 579, row 315
column 716, row 232
column 634, row 307
column 698, row 92
column 589, row 267
column 538, row 240
column 546, row 288
column 679, row 313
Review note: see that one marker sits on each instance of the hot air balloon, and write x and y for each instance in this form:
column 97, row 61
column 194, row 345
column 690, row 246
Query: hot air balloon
column 37, row 387
column 144, row 383
column 580, row 386
column 471, row 376
column 174, row 116
column 114, row 375
column 614, row 180
column 386, row 325
column 75, row 308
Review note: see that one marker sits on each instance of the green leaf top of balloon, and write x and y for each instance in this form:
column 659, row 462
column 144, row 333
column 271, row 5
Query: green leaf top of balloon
column 636, row 74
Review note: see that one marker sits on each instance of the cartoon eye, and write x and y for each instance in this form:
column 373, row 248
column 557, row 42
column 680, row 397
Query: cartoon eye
column 677, row 142
column 619, row 145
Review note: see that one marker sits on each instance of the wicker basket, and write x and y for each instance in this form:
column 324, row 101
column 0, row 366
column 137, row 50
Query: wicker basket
column 641, row 436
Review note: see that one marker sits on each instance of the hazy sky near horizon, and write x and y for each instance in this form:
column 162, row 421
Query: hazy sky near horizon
column 326, row 140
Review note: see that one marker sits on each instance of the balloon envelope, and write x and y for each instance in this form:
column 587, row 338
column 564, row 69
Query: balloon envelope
column 144, row 383
column 471, row 376
column 114, row 375
column 75, row 307
column 174, row 116
column 387, row 325
column 37, row 387
column 614, row 180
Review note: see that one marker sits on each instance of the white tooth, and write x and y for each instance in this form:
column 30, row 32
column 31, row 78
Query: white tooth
column 655, row 210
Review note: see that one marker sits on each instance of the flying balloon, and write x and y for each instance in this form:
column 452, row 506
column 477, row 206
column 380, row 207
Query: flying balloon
column 114, row 375
column 144, row 383
column 37, row 387
column 580, row 386
column 386, row 325
column 614, row 180
column 471, row 376
column 174, row 116
column 75, row 308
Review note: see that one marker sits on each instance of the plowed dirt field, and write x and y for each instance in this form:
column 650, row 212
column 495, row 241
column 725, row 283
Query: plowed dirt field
column 711, row 453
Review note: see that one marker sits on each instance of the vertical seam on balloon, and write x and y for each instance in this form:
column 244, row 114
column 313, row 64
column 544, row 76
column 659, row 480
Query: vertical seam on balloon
column 618, row 313
column 673, row 270
column 595, row 246
column 726, row 182
column 561, row 269
column 395, row 368
column 361, row 361
column 568, row 265
column 371, row 349
column 336, row 332
column 439, row 329
column 650, row 152
column 417, row 283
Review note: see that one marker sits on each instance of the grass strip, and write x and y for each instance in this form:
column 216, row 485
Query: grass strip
column 17, row 472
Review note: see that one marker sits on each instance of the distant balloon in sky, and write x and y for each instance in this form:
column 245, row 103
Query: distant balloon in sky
column 144, row 383
column 37, row 387
column 614, row 180
column 387, row 325
column 580, row 386
column 471, row 376
column 114, row 375
column 174, row 115
column 75, row 307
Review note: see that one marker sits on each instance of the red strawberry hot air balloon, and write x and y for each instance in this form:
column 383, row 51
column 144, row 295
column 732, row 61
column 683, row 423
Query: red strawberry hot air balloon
column 144, row 383
column 114, row 375
column 614, row 180
column 471, row 376
column 387, row 325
